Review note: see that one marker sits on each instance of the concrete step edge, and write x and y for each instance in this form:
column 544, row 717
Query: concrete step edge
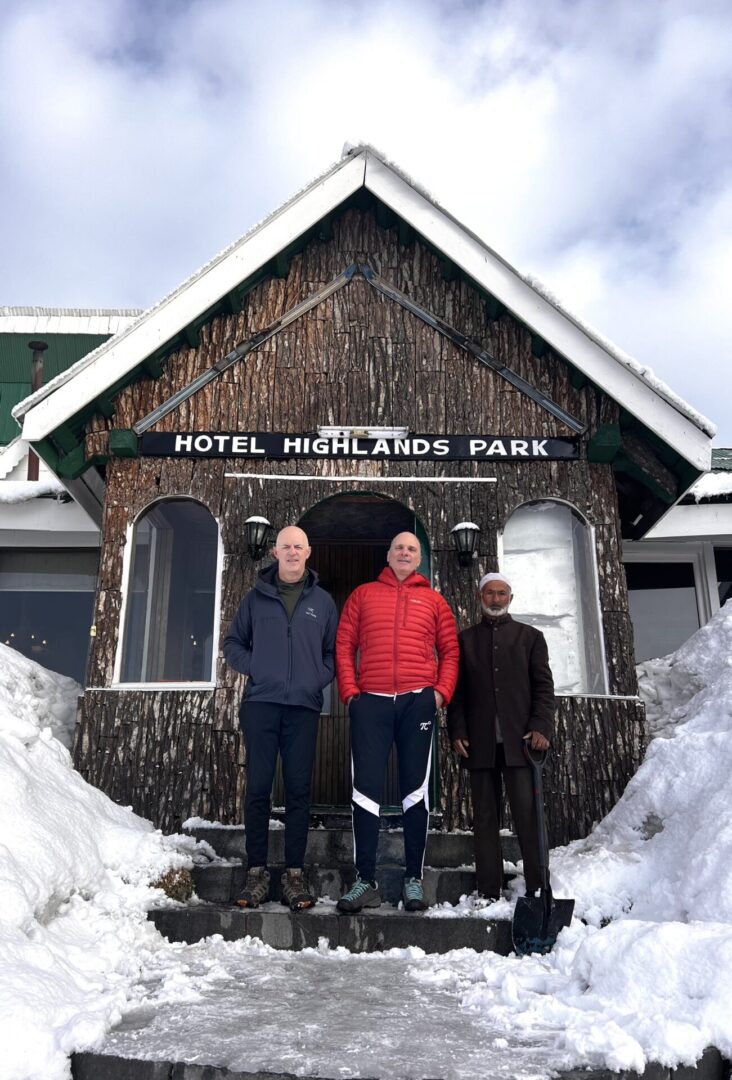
column 97, row 1066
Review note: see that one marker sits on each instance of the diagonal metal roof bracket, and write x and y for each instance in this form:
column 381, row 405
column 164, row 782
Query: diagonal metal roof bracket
column 242, row 350
column 472, row 347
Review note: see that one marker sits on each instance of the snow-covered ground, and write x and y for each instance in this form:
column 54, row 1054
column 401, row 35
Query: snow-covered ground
column 644, row 972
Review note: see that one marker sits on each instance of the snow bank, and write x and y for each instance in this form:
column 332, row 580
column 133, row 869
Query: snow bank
column 74, row 873
column 648, row 977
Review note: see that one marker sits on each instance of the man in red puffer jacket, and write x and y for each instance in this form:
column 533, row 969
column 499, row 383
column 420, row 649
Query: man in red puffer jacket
column 406, row 640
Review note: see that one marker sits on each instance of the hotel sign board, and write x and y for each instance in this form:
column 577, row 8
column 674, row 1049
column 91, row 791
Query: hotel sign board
column 281, row 446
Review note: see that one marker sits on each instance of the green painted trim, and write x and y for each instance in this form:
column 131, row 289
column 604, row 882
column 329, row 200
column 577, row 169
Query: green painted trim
column 123, row 443
column 281, row 265
column 72, row 465
column 385, row 216
column 493, row 307
column 65, row 438
column 450, row 272
column 539, row 347
column 577, row 379
column 623, row 464
column 604, row 444
column 46, row 450
column 406, row 233
column 153, row 365
column 325, row 229
column 192, row 334
column 105, row 406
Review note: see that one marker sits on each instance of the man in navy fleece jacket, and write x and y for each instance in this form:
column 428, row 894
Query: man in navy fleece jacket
column 283, row 639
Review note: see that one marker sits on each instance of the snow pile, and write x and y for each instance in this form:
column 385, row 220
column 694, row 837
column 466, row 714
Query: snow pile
column 649, row 975
column 74, row 873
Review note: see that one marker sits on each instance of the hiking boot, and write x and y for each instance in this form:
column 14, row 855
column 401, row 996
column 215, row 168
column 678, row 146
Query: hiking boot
column 256, row 888
column 295, row 892
column 413, row 895
column 361, row 894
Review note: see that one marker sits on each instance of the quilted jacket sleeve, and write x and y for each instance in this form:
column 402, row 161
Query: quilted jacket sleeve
column 448, row 650
column 347, row 640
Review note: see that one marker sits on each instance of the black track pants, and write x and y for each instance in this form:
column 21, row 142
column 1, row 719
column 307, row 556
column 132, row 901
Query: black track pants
column 292, row 731
column 377, row 722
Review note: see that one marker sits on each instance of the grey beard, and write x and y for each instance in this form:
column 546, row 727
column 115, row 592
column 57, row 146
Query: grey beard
column 494, row 614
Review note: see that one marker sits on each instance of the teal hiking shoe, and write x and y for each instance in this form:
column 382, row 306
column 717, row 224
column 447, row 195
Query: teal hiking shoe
column 361, row 894
column 413, row 895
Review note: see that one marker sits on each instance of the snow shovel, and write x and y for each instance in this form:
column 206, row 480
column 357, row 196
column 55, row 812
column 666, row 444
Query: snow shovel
column 537, row 920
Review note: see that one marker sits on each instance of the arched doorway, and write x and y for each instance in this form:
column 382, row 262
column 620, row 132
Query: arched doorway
column 350, row 535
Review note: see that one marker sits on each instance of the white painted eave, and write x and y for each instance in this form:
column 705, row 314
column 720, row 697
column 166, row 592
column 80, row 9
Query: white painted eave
column 116, row 358
column 694, row 521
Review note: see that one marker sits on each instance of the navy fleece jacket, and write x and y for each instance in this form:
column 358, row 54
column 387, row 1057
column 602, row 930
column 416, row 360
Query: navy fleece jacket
column 288, row 663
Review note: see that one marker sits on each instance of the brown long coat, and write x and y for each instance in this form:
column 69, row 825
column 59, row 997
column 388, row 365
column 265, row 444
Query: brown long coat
column 504, row 672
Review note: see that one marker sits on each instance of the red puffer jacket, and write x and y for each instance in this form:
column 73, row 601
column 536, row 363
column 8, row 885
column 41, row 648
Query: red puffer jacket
column 397, row 626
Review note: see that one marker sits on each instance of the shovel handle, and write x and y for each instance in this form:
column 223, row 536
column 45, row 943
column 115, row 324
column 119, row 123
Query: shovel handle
column 537, row 760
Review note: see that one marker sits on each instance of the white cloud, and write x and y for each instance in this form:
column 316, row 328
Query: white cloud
column 589, row 144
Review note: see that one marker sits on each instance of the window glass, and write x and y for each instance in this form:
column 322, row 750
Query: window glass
column 663, row 606
column 549, row 558
column 47, row 606
column 723, row 562
column 171, row 593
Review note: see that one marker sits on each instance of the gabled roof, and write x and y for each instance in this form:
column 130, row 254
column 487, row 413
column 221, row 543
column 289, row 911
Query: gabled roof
column 635, row 388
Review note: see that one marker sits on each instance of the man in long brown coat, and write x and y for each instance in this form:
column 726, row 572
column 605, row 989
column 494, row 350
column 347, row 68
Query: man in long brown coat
column 504, row 697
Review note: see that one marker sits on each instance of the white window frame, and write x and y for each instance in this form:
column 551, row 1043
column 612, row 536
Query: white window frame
column 700, row 553
column 117, row 684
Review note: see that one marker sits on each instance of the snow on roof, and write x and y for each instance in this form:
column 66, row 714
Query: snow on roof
column 641, row 371
column 49, row 320
column 364, row 166
column 712, row 484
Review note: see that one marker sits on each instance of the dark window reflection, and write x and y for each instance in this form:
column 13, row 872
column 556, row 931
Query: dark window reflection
column 47, row 605
column 168, row 634
column 723, row 562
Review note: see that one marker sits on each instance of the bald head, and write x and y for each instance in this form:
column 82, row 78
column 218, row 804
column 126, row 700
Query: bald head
column 292, row 551
column 405, row 555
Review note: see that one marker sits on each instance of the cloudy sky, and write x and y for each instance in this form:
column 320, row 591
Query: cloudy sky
column 588, row 142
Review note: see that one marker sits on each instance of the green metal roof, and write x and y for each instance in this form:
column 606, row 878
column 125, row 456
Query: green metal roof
column 721, row 459
column 15, row 365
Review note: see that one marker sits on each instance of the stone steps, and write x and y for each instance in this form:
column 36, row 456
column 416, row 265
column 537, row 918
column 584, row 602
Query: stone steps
column 371, row 930
column 333, row 847
column 221, row 883
column 89, row 1066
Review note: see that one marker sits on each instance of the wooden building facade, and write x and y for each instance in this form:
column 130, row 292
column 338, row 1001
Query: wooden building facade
column 359, row 306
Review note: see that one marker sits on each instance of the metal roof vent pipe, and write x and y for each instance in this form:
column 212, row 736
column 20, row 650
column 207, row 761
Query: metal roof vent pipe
column 38, row 347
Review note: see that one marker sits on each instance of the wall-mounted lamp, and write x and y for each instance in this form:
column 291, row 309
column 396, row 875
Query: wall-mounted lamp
column 259, row 536
column 465, row 538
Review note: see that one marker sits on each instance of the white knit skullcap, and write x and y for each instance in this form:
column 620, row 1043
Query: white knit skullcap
column 493, row 577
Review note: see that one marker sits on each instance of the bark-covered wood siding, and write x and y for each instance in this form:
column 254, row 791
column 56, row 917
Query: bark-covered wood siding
column 357, row 358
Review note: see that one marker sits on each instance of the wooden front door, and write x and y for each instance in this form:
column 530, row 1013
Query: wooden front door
column 349, row 536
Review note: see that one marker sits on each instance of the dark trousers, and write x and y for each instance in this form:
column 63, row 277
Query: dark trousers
column 485, row 786
column 292, row 731
column 376, row 723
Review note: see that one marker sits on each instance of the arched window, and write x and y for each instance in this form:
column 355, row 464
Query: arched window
column 170, row 604
column 548, row 554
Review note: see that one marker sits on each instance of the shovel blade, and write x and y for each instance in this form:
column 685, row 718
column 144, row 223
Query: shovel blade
column 533, row 929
